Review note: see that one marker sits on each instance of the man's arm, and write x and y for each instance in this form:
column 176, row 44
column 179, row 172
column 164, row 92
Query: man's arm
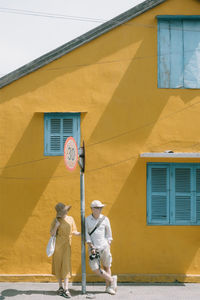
column 87, row 236
column 108, row 231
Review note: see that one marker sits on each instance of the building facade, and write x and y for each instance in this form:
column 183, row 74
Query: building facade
column 132, row 94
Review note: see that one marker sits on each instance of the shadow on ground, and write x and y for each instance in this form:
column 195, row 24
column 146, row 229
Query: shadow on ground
column 74, row 292
column 14, row 292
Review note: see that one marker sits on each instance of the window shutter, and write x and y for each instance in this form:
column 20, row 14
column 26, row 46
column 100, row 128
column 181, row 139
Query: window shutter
column 183, row 195
column 159, row 195
column 164, row 54
column 176, row 54
column 58, row 127
column 177, row 185
column 46, row 135
column 170, row 54
column 55, row 135
column 67, row 129
column 191, row 32
column 198, row 195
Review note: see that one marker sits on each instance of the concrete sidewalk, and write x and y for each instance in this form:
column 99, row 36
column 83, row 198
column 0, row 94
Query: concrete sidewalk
column 44, row 291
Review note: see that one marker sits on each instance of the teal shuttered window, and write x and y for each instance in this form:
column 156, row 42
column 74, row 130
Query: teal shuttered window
column 57, row 128
column 173, row 194
column 179, row 52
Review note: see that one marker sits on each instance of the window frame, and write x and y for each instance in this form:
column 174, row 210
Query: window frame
column 76, row 130
column 171, row 190
column 175, row 84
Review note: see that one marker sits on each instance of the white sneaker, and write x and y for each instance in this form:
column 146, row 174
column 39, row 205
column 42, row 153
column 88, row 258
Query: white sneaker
column 114, row 283
column 110, row 291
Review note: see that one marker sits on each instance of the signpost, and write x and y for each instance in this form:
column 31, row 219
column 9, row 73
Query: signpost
column 71, row 160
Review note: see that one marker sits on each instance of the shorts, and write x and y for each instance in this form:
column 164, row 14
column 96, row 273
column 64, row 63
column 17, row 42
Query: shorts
column 105, row 259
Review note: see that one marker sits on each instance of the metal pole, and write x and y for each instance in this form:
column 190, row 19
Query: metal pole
column 83, row 265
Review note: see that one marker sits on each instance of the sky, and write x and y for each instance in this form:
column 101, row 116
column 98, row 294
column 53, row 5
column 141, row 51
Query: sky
column 31, row 28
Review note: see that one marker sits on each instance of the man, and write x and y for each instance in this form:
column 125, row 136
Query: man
column 99, row 238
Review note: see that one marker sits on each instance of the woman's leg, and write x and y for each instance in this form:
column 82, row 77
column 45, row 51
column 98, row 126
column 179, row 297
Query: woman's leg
column 60, row 283
column 66, row 283
column 66, row 292
column 60, row 290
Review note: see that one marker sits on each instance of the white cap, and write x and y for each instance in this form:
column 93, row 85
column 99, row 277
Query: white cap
column 96, row 203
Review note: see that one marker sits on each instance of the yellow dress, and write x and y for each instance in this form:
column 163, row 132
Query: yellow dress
column 61, row 262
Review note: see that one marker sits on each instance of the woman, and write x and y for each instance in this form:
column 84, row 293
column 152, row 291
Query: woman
column 63, row 227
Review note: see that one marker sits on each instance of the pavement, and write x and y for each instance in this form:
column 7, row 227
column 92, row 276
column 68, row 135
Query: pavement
column 135, row 291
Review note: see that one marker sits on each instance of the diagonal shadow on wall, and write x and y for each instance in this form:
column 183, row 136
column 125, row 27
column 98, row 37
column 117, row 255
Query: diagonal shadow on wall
column 24, row 179
column 137, row 103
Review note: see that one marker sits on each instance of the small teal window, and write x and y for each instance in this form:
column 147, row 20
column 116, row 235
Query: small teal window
column 173, row 194
column 179, row 52
column 57, row 128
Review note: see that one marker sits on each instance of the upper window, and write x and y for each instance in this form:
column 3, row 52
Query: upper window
column 179, row 52
column 57, row 128
column 173, row 194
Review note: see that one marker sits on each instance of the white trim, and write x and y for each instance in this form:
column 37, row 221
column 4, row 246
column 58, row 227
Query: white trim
column 171, row 155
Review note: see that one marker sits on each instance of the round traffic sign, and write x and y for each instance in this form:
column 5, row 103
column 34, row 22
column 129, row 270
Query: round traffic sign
column 70, row 153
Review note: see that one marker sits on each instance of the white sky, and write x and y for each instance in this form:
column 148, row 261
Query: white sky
column 31, row 28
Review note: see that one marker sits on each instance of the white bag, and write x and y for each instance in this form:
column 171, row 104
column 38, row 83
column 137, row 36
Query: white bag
column 51, row 246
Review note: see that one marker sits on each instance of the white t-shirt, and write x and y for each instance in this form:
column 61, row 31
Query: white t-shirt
column 102, row 235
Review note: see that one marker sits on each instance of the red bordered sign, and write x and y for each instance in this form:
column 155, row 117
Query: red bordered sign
column 71, row 154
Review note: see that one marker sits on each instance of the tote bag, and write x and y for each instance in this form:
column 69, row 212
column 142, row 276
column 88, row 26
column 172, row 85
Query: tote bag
column 51, row 246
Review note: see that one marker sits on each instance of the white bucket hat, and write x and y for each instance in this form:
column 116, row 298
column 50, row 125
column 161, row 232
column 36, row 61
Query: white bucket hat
column 96, row 203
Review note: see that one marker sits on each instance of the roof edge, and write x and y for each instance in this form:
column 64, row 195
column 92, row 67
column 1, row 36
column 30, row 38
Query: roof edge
column 77, row 42
column 175, row 17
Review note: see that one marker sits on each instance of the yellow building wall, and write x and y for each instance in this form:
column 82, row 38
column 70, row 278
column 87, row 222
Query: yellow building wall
column 112, row 81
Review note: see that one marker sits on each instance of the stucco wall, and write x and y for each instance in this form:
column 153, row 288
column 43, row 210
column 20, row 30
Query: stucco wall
column 112, row 81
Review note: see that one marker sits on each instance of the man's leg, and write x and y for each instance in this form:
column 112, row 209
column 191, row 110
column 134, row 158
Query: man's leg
column 108, row 278
column 106, row 259
column 113, row 284
column 105, row 275
column 108, row 271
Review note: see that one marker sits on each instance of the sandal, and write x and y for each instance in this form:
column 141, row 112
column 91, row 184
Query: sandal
column 60, row 291
column 66, row 294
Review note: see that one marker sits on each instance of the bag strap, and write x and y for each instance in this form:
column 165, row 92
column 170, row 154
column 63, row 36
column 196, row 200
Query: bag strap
column 98, row 224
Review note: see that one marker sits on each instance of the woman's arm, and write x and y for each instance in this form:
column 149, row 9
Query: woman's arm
column 55, row 228
column 74, row 228
column 76, row 233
